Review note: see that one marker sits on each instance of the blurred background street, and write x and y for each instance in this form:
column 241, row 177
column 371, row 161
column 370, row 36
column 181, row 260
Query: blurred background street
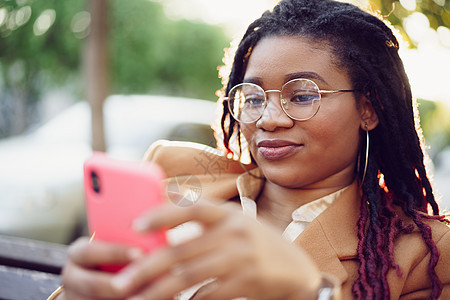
column 98, row 75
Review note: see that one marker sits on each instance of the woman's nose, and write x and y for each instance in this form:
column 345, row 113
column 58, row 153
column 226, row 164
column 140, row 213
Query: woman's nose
column 273, row 116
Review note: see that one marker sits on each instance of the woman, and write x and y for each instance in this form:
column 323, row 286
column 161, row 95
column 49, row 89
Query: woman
column 337, row 206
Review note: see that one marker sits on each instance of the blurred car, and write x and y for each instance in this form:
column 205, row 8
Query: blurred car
column 41, row 173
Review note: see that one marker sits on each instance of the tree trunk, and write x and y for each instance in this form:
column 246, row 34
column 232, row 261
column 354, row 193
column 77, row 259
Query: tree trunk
column 96, row 66
column 19, row 110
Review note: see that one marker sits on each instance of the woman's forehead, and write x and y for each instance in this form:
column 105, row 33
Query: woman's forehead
column 282, row 56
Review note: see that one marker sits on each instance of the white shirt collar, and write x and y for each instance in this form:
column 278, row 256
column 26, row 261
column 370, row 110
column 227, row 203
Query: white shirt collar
column 249, row 188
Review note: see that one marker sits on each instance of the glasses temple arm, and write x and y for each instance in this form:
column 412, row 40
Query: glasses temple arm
column 335, row 91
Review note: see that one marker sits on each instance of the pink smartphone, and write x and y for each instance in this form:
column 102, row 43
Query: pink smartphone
column 117, row 192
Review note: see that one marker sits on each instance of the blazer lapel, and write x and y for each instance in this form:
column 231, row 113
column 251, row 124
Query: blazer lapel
column 332, row 236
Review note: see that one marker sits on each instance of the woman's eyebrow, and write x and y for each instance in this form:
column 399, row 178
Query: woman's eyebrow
column 255, row 80
column 306, row 75
column 288, row 77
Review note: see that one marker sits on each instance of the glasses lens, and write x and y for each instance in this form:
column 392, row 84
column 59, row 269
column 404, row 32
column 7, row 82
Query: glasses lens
column 246, row 102
column 300, row 99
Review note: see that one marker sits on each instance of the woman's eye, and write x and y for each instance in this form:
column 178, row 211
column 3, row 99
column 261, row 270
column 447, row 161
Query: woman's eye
column 254, row 100
column 303, row 99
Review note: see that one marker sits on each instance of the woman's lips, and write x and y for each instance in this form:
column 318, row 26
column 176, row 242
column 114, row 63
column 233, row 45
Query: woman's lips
column 276, row 149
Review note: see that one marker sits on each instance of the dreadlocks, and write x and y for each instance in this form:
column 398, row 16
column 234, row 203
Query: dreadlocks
column 366, row 48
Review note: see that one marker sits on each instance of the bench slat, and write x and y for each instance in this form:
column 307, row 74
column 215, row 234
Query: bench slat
column 31, row 254
column 21, row 284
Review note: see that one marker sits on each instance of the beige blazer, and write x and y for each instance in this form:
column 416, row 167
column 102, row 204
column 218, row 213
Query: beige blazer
column 331, row 239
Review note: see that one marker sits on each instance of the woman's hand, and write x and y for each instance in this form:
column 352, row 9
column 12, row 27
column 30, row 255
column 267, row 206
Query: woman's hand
column 81, row 276
column 246, row 258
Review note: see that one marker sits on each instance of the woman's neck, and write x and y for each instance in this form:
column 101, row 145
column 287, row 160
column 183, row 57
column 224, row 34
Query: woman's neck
column 276, row 203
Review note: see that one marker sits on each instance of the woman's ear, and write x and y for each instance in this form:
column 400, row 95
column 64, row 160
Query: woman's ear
column 368, row 115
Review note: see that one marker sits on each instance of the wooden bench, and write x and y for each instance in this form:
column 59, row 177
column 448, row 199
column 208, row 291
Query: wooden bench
column 29, row 269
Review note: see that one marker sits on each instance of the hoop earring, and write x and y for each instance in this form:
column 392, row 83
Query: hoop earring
column 367, row 154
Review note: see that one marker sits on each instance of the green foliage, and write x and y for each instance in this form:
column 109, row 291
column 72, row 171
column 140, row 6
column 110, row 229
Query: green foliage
column 151, row 54
column 148, row 53
column 435, row 124
column 437, row 12
column 29, row 60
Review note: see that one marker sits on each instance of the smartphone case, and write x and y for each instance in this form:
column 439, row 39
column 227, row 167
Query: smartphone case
column 117, row 192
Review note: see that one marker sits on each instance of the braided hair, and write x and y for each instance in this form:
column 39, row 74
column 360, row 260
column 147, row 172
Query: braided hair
column 366, row 48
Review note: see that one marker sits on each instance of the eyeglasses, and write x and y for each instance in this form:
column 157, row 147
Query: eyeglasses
column 300, row 100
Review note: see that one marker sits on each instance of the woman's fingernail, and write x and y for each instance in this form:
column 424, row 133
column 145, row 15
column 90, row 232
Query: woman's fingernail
column 121, row 281
column 141, row 224
column 135, row 253
column 136, row 298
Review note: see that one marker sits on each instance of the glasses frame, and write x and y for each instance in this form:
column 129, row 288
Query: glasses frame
column 282, row 100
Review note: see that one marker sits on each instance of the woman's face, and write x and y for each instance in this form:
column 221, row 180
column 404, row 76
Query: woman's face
column 319, row 152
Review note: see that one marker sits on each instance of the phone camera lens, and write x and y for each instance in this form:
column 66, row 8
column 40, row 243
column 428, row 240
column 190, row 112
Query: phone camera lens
column 95, row 182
